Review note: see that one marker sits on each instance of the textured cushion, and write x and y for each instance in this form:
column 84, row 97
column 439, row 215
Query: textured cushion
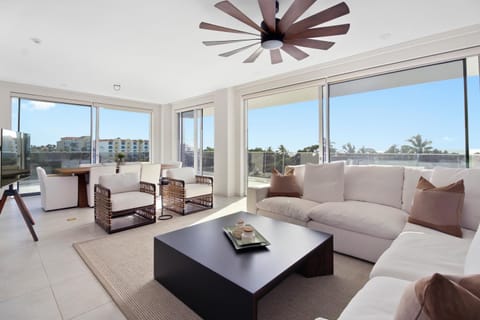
column 186, row 174
column 299, row 174
column 128, row 200
column 438, row 208
column 324, row 182
column 290, row 207
column 283, row 185
column 441, row 297
column 362, row 217
column 378, row 184
column 122, row 182
column 472, row 260
column 377, row 300
column 419, row 251
column 471, row 180
column 197, row 189
column 410, row 181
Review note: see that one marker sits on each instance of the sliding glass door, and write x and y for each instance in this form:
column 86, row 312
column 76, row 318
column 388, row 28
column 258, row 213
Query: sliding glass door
column 196, row 139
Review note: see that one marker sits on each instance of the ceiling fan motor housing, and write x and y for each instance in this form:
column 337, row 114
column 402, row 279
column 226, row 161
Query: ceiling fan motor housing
column 271, row 40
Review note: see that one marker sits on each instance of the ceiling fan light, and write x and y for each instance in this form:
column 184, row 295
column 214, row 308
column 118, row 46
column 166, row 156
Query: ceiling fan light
column 272, row 44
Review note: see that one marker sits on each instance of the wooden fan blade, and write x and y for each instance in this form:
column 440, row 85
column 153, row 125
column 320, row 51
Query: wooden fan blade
column 229, row 53
column 294, row 51
column 231, row 10
column 319, row 32
column 275, row 56
column 268, row 9
column 297, row 8
column 254, row 56
column 214, row 27
column 331, row 13
column 311, row 43
column 216, row 43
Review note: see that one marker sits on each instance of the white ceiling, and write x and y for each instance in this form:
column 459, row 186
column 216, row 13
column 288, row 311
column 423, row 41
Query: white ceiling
column 153, row 47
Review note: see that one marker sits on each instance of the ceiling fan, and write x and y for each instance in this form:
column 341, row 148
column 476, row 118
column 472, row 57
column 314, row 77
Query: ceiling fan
column 285, row 33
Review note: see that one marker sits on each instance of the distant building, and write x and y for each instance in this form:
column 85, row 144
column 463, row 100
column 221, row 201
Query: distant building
column 105, row 146
column 74, row 144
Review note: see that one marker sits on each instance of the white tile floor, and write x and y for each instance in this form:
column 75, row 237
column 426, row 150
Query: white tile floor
column 47, row 279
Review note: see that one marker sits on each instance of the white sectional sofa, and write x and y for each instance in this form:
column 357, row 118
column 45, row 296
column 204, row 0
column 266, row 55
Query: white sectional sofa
column 371, row 224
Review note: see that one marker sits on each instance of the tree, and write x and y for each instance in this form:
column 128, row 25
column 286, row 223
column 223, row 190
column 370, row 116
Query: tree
column 406, row 149
column 393, row 149
column 419, row 145
column 366, row 150
column 348, row 148
column 313, row 148
column 282, row 149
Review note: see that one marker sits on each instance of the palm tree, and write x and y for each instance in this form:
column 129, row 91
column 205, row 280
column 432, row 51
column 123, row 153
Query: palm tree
column 419, row 145
column 348, row 148
column 393, row 149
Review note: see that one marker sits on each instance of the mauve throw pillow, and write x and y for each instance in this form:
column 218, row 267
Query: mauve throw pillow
column 441, row 297
column 438, row 208
column 283, row 185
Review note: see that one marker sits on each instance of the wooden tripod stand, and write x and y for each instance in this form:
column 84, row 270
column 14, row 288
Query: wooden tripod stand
column 23, row 209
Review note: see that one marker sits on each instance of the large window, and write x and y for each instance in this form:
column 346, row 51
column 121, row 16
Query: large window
column 196, row 139
column 283, row 129
column 63, row 135
column 413, row 118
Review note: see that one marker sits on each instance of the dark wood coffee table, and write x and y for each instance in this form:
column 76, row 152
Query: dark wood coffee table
column 200, row 266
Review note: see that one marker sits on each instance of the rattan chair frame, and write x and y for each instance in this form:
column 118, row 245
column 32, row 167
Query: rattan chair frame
column 104, row 214
column 173, row 196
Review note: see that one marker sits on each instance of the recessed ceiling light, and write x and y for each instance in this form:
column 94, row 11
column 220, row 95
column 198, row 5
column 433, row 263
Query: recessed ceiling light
column 36, row 40
column 116, row 87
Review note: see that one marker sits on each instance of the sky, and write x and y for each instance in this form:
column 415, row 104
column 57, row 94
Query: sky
column 375, row 119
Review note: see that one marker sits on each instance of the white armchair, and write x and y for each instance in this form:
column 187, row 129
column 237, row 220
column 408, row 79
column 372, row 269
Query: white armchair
column 94, row 176
column 130, row 167
column 57, row 191
column 184, row 192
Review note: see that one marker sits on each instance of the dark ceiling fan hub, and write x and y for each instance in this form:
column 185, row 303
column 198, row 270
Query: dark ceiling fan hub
column 271, row 40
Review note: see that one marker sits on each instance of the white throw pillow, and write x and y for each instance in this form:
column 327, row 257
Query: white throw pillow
column 324, row 182
column 471, row 179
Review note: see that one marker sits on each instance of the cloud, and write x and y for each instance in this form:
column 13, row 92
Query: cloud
column 41, row 105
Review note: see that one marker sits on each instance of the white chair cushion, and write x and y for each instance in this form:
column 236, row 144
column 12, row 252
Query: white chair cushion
column 378, row 184
column 377, row 300
column 410, row 181
column 287, row 206
column 472, row 261
column 197, row 189
column 186, row 174
column 299, row 173
column 419, row 251
column 367, row 218
column 324, row 182
column 122, row 182
column 471, row 178
column 128, row 200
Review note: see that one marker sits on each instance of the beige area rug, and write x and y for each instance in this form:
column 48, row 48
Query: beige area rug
column 123, row 263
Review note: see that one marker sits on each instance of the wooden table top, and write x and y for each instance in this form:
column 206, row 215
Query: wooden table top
column 79, row 170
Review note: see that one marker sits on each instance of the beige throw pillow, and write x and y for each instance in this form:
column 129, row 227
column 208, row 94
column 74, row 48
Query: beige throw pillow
column 324, row 182
column 441, row 297
column 283, row 185
column 438, row 208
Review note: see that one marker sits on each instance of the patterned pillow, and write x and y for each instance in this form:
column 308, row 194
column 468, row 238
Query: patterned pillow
column 439, row 208
column 283, row 185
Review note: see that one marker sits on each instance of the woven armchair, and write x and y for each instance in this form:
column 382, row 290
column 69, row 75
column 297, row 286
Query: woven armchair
column 122, row 202
column 184, row 192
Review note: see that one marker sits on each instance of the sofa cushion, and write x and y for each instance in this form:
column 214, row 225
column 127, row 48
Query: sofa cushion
column 299, row 175
column 426, row 298
column 471, row 178
column 127, row 200
column 122, row 182
column 377, row 300
column 290, row 207
column 283, row 185
column 378, row 184
column 419, row 251
column 410, row 181
column 472, row 260
column 439, row 208
column 324, row 182
column 367, row 218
